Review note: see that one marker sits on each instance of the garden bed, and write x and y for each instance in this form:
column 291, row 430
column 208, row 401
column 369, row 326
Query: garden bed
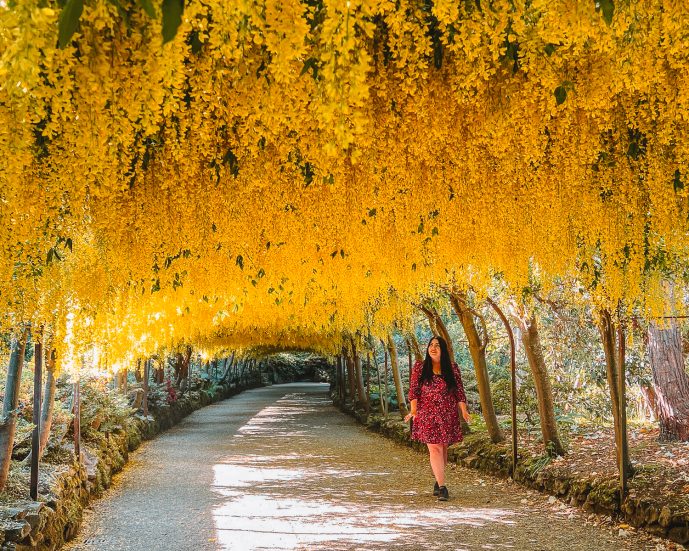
column 66, row 487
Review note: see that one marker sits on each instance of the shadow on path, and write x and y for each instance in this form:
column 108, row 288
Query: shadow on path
column 281, row 468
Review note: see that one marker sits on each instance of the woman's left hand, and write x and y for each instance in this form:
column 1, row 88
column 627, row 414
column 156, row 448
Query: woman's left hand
column 467, row 416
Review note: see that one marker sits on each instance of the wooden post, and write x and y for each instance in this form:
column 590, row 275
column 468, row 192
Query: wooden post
column 146, row 377
column 380, row 385
column 621, row 387
column 368, row 375
column 411, row 365
column 513, row 387
column 36, row 436
column 387, row 403
column 77, row 420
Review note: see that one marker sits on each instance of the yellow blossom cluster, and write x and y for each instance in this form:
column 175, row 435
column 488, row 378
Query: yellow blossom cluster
column 281, row 173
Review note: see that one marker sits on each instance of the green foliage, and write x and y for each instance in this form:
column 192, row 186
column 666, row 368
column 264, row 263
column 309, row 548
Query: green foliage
column 147, row 6
column 172, row 18
column 102, row 409
column 607, row 9
column 533, row 466
column 69, row 21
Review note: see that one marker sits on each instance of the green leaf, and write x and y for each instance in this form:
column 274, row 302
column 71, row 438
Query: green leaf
column 310, row 64
column 172, row 18
column 231, row 160
column 147, row 6
column 195, row 41
column 677, row 183
column 607, row 7
column 560, row 94
column 69, row 20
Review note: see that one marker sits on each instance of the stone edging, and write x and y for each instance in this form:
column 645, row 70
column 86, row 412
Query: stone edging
column 592, row 494
column 47, row 524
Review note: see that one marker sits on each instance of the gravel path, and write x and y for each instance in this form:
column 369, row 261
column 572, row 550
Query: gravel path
column 281, row 468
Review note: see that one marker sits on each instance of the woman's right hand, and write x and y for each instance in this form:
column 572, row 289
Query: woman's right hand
column 409, row 416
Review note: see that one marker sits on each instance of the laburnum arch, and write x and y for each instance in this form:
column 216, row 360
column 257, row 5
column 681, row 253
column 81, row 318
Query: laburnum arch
column 286, row 173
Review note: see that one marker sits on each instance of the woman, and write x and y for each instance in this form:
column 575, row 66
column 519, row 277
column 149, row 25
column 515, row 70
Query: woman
column 437, row 397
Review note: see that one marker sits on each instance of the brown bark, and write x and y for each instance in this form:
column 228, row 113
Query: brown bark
column 401, row 402
column 383, row 405
column 648, row 394
column 438, row 328
column 612, row 359
column 159, row 373
column 477, row 349
column 8, row 423
column 531, row 341
column 358, row 373
column 413, row 343
column 670, row 381
column 138, row 376
column 182, row 365
column 351, row 377
column 48, row 402
column 227, row 368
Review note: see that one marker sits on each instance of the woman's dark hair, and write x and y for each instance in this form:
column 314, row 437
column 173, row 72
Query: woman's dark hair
column 445, row 366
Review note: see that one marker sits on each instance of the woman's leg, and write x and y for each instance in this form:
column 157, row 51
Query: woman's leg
column 445, row 453
column 435, row 452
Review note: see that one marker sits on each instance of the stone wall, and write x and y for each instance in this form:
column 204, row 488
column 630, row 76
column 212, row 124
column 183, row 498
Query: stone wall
column 55, row 519
column 593, row 494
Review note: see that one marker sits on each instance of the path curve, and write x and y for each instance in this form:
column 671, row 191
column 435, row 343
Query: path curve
column 280, row 468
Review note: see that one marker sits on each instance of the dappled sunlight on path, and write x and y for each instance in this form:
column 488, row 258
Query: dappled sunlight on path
column 280, row 468
column 298, row 478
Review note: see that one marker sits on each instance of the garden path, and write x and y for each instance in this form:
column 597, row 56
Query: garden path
column 280, row 468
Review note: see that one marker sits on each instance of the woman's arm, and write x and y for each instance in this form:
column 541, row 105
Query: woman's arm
column 412, row 411
column 463, row 411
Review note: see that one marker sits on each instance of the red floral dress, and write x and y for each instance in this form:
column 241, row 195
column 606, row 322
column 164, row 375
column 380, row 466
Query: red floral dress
column 437, row 417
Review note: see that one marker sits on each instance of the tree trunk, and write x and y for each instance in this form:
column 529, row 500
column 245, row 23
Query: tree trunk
column 649, row 401
column 414, row 346
column 401, row 402
column 385, row 382
column 48, row 402
column 159, row 375
column 227, row 368
column 351, row 378
column 137, row 373
column 544, row 392
column 359, row 375
column 182, row 365
column 670, row 381
column 612, row 357
column 8, row 424
column 438, row 328
column 477, row 349
column 368, row 377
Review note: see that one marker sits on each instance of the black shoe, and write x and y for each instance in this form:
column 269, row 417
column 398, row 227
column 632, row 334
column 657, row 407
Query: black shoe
column 443, row 494
column 436, row 489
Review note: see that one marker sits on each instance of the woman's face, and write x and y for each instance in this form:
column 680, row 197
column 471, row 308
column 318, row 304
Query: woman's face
column 434, row 350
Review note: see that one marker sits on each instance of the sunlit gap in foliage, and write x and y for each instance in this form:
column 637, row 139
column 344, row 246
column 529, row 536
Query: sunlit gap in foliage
column 268, row 504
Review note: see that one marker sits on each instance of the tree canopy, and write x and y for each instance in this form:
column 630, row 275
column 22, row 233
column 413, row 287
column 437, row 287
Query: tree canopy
column 278, row 173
